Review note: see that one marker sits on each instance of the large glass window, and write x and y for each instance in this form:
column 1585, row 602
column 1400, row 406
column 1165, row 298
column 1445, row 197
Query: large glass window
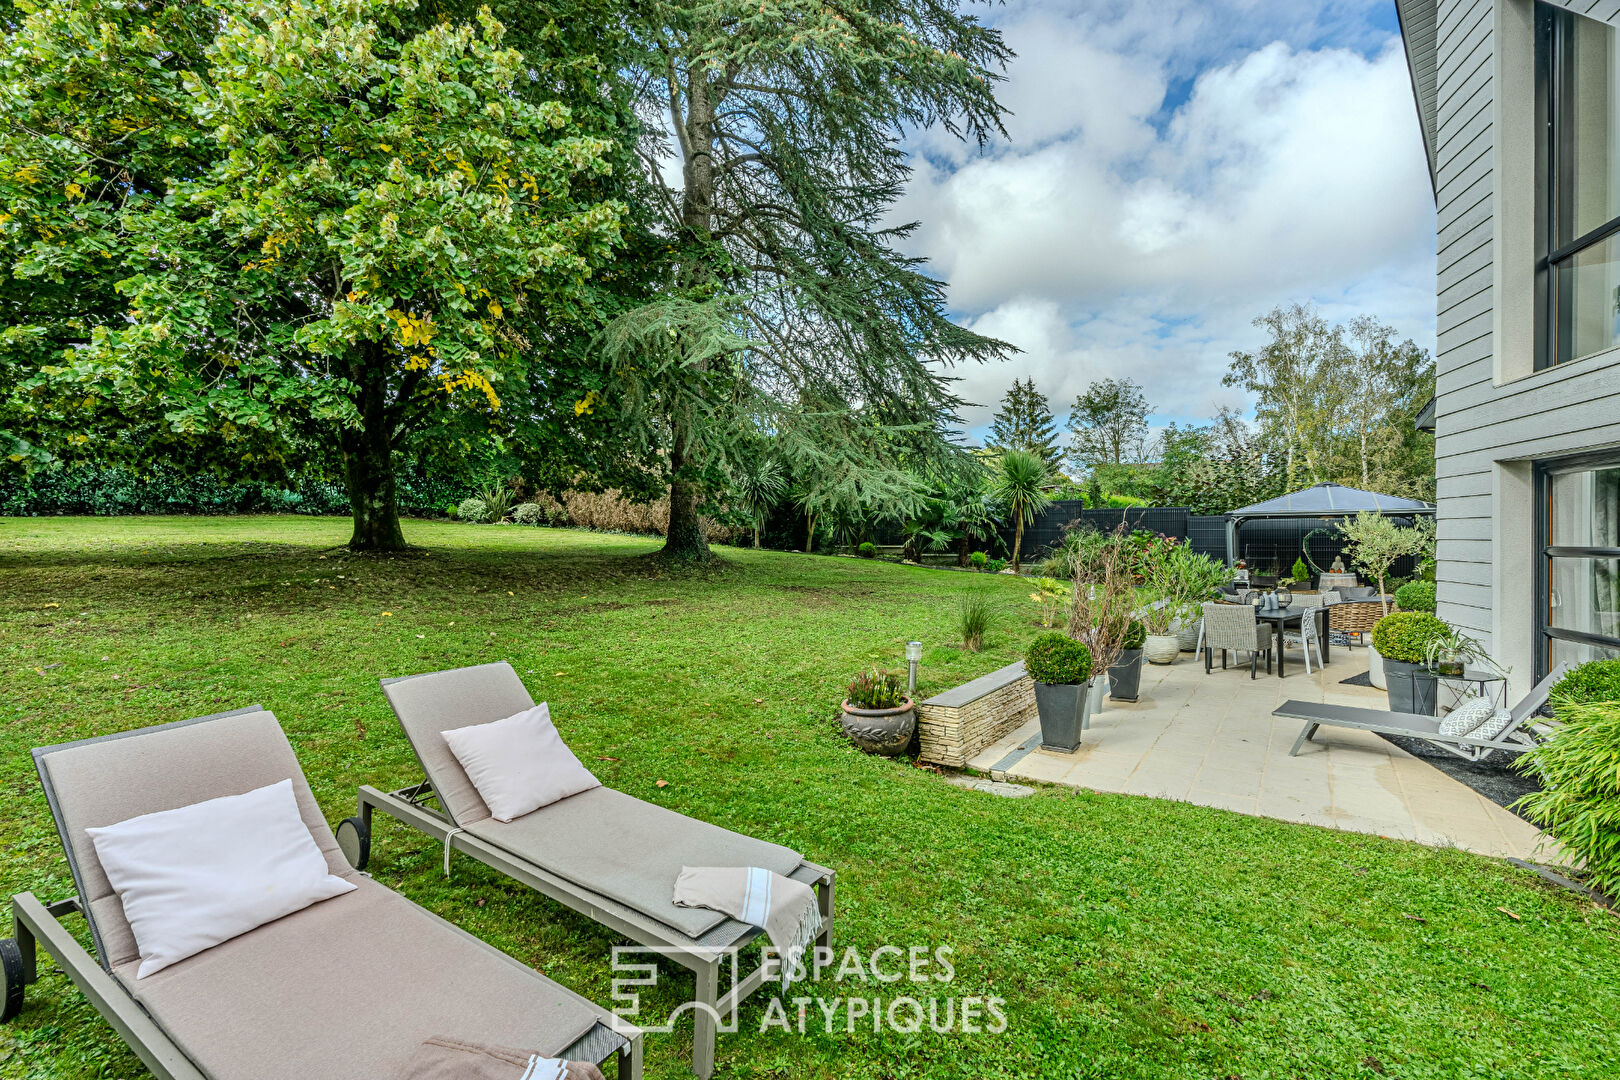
column 1580, row 618
column 1578, row 274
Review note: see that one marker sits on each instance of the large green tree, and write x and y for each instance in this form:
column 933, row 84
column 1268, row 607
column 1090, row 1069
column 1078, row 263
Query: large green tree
column 1024, row 422
column 332, row 224
column 1297, row 379
column 790, row 312
column 1108, row 424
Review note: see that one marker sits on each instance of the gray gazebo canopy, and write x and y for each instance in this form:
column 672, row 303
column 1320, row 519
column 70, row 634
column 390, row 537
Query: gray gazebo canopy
column 1332, row 500
column 1322, row 501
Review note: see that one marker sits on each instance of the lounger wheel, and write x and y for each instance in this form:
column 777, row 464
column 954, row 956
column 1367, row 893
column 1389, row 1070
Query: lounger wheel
column 354, row 838
column 11, row 962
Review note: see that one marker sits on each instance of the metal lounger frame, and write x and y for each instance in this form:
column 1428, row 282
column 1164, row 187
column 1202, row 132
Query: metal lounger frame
column 703, row 956
column 39, row 924
column 1317, row 715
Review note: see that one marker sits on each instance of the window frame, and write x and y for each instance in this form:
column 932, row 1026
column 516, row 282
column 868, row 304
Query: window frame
column 1546, row 633
column 1554, row 172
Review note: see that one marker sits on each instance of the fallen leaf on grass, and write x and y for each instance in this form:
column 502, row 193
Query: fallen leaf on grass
column 604, row 757
column 1509, row 914
column 51, row 605
column 360, row 728
column 1414, row 918
column 388, row 613
column 663, row 783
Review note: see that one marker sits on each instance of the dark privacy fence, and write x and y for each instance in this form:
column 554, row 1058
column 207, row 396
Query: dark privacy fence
column 1047, row 529
column 1270, row 545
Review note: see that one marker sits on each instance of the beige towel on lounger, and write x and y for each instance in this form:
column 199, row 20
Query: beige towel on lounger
column 443, row 1058
column 785, row 909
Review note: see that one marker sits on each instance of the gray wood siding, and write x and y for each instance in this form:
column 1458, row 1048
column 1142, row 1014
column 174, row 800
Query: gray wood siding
column 1479, row 421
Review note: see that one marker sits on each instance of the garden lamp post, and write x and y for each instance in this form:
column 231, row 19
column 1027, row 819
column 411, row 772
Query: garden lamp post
column 913, row 655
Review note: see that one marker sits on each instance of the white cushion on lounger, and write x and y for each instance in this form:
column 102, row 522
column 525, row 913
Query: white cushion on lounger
column 1466, row 717
column 519, row 764
column 198, row 875
column 1500, row 721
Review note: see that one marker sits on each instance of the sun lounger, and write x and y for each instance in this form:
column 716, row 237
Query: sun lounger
column 611, row 857
column 1414, row 725
column 347, row 987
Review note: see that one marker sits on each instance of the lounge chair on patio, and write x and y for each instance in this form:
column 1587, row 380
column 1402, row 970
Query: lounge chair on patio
column 346, row 987
column 1510, row 736
column 611, row 857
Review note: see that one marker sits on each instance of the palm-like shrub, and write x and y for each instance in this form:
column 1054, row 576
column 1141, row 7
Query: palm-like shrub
column 757, row 485
column 1407, row 636
column 1058, row 660
column 1019, row 483
column 1579, row 801
column 497, row 500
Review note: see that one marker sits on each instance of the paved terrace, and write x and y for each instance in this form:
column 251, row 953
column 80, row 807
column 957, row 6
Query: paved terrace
column 1211, row 740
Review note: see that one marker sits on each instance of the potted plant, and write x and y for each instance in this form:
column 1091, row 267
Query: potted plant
column 1125, row 674
column 877, row 715
column 1403, row 640
column 1161, row 579
column 1060, row 668
column 1452, row 651
column 1300, row 573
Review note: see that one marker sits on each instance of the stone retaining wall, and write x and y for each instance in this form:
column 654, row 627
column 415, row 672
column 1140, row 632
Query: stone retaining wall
column 952, row 727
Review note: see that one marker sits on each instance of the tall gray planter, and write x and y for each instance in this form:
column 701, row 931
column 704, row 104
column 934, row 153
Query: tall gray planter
column 1412, row 688
column 1063, row 709
column 1125, row 676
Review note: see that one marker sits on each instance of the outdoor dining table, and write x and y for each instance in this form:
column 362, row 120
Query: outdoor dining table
column 1295, row 615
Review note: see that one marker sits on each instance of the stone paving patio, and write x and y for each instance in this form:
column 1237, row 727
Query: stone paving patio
column 1211, row 740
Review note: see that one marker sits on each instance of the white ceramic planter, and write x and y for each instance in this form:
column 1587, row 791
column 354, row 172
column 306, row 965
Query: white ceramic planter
column 1375, row 668
column 1161, row 648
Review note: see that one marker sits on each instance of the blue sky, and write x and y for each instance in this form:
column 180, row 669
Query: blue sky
column 1175, row 169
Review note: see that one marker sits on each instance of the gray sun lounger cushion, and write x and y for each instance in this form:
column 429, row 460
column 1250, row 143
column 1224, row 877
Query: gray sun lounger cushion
column 620, row 846
column 349, row 988
column 603, row 840
column 104, row 781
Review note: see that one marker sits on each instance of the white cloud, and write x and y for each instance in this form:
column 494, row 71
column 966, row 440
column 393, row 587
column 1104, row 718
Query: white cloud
column 1173, row 174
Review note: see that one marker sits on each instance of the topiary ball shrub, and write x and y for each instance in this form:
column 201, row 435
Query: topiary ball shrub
column 978, row 560
column 1404, row 636
column 528, row 514
column 474, row 510
column 1593, row 681
column 1058, row 660
column 867, row 550
column 1135, row 635
column 1415, row 596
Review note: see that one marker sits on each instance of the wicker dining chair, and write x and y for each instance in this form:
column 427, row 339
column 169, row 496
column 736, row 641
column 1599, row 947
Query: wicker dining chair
column 1233, row 628
column 1356, row 617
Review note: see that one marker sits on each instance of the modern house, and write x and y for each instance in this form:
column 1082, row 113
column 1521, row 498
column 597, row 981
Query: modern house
column 1519, row 102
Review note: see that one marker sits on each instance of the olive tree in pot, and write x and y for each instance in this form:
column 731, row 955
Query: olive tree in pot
column 1374, row 543
column 1403, row 639
column 878, row 717
column 1060, row 668
column 1125, row 674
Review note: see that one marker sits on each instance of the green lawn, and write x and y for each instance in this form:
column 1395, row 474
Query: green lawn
column 1130, row 937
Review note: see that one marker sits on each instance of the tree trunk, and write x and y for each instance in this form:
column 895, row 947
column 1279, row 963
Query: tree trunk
column 810, row 535
column 1018, row 535
column 756, row 532
column 368, row 465
column 684, row 538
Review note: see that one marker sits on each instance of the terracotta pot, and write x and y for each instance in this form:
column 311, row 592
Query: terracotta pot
column 1161, row 648
column 881, row 731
